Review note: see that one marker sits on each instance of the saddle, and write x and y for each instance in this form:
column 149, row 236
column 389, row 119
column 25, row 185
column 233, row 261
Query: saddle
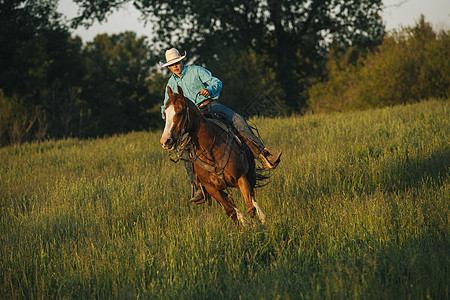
column 219, row 120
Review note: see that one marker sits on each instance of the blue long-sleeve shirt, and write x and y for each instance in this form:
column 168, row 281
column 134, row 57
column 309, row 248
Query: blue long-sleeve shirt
column 193, row 79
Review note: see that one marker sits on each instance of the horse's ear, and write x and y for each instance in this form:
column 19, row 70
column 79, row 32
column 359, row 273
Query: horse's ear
column 169, row 91
column 180, row 91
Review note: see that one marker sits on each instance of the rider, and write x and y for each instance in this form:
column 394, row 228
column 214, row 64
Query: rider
column 203, row 89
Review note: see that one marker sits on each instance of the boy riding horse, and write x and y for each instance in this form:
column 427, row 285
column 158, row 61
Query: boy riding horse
column 203, row 89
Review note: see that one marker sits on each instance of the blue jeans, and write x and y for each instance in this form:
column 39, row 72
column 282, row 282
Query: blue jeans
column 233, row 118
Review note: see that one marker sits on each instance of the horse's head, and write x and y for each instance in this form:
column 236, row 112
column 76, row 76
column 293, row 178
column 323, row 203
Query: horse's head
column 176, row 115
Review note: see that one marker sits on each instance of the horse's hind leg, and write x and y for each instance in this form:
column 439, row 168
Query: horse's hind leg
column 249, row 198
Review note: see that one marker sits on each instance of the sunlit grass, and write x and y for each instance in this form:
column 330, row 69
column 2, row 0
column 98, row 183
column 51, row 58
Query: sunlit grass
column 357, row 209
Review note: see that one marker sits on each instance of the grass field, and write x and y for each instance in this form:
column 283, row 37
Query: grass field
column 359, row 208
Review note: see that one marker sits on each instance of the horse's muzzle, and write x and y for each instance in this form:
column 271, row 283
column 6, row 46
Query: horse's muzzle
column 168, row 143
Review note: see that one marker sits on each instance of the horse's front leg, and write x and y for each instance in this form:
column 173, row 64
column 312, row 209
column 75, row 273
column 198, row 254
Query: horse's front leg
column 249, row 198
column 233, row 212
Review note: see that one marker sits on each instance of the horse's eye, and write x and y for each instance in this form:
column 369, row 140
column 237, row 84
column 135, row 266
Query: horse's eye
column 179, row 114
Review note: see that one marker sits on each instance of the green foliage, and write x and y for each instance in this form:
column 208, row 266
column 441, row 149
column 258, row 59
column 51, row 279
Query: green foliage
column 17, row 121
column 40, row 72
column 260, row 80
column 110, row 85
column 117, row 84
column 411, row 64
column 358, row 208
column 280, row 29
column 54, row 86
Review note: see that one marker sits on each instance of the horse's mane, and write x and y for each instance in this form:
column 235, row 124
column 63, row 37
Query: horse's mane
column 199, row 117
column 194, row 109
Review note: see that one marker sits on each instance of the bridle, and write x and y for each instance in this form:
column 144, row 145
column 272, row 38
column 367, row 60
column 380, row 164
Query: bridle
column 186, row 119
column 185, row 140
column 183, row 131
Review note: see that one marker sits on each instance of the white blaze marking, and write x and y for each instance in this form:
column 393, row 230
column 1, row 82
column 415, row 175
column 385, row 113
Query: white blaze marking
column 261, row 215
column 170, row 113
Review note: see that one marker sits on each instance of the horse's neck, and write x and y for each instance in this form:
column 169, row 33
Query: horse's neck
column 202, row 131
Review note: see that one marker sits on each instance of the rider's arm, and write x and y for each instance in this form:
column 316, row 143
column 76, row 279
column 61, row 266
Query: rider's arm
column 212, row 84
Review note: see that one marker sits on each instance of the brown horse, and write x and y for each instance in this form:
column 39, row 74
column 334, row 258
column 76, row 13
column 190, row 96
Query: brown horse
column 219, row 161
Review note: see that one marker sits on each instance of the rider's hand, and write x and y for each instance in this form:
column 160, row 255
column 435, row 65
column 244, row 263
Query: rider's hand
column 204, row 93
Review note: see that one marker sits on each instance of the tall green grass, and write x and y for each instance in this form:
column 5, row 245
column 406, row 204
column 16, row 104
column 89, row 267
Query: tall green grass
column 359, row 208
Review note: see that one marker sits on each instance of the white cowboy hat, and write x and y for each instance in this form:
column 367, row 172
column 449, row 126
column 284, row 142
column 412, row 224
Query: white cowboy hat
column 172, row 56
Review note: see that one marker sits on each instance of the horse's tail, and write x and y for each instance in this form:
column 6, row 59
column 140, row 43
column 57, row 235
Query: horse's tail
column 262, row 177
column 258, row 176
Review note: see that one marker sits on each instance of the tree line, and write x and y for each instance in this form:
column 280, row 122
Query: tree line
column 411, row 64
column 293, row 53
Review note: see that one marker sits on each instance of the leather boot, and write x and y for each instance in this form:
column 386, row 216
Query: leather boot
column 199, row 195
column 198, row 198
column 270, row 161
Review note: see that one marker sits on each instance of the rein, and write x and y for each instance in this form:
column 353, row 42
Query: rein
column 185, row 141
column 218, row 169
